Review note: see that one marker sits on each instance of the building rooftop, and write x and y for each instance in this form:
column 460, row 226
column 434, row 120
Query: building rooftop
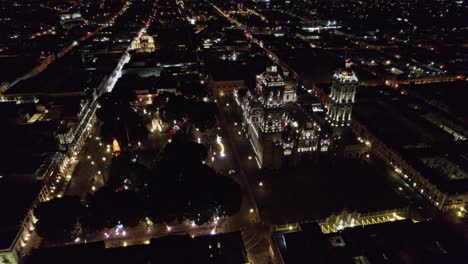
column 68, row 75
column 450, row 97
column 15, row 201
column 450, row 171
column 134, row 82
column 313, row 65
column 246, row 66
column 392, row 242
column 225, row 248
column 315, row 191
column 397, row 120
column 15, row 66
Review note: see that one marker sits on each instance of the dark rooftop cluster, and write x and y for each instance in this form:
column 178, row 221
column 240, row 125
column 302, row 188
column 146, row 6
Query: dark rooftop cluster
column 397, row 242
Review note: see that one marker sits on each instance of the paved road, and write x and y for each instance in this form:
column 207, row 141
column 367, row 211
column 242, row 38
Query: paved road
column 255, row 233
column 92, row 167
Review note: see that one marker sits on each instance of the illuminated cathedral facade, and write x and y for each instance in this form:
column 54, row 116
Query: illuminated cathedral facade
column 278, row 131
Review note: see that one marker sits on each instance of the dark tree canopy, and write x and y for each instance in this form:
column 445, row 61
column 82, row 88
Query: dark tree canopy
column 184, row 152
column 127, row 169
column 201, row 114
column 58, row 218
column 182, row 186
column 179, row 187
column 108, row 207
column 120, row 120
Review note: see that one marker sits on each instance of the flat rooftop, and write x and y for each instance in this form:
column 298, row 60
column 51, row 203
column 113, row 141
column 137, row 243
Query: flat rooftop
column 15, row 66
column 392, row 242
column 67, row 75
column 451, row 97
column 317, row 190
column 225, row 248
column 246, row 68
column 15, row 201
column 313, row 65
column 397, row 120
column 449, row 172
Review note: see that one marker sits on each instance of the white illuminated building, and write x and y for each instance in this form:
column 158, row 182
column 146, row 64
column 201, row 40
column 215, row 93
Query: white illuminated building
column 144, row 43
column 277, row 130
column 343, row 92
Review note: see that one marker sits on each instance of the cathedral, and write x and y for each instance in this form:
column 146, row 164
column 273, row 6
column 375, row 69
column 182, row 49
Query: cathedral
column 278, row 131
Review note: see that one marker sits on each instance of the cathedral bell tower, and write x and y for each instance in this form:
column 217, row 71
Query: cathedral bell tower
column 270, row 89
column 342, row 95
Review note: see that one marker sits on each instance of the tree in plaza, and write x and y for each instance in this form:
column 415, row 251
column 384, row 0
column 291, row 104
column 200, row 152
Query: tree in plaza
column 204, row 114
column 147, row 157
column 184, row 151
column 58, row 218
column 109, row 207
column 225, row 195
column 120, row 120
column 198, row 113
column 127, row 169
column 182, row 187
column 119, row 170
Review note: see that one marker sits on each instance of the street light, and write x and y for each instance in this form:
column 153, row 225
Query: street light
column 251, row 210
column 260, row 184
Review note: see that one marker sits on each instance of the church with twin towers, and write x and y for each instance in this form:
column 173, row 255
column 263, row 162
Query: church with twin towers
column 280, row 131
